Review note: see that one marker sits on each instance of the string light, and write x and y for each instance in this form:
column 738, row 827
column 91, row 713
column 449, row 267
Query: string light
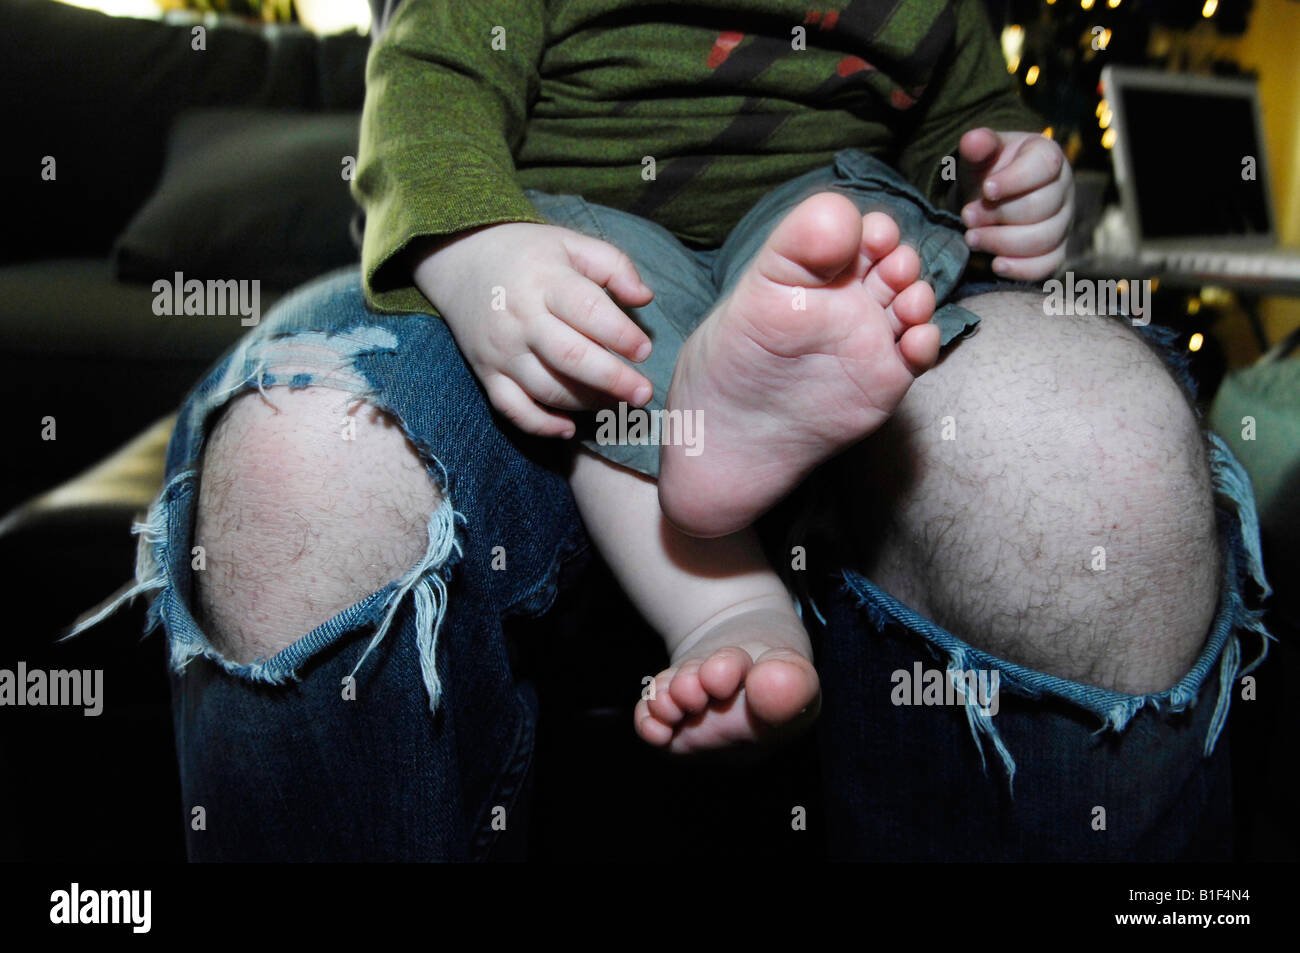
column 1105, row 119
column 1207, row 11
column 1112, row 3
column 1108, row 139
column 1049, row 132
column 1031, row 76
column 1086, row 4
column 1102, row 107
column 1193, row 305
column 1195, row 342
column 1013, row 44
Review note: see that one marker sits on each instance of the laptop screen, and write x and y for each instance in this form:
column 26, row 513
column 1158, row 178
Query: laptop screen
column 1186, row 150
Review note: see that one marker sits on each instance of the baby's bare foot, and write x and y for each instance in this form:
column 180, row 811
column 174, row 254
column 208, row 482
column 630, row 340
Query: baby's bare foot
column 812, row 351
column 749, row 678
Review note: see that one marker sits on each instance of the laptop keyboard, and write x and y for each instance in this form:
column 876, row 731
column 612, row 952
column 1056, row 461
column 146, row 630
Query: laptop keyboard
column 1259, row 263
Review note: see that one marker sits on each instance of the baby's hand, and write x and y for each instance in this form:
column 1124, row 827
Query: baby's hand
column 527, row 306
column 1021, row 197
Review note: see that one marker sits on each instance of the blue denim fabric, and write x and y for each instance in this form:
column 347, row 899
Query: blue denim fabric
column 413, row 768
column 440, row 735
column 1156, row 764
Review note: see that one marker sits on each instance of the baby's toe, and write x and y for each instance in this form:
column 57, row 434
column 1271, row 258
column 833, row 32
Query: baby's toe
column 686, row 689
column 914, row 304
column 893, row 273
column 919, row 348
column 661, row 704
column 722, row 672
column 650, row 729
column 879, row 235
column 781, row 684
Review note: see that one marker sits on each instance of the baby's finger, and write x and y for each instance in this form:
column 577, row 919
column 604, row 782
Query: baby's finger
column 578, row 357
column 1021, row 241
column 608, row 267
column 1030, row 269
column 583, row 305
column 551, row 389
column 979, row 147
column 521, row 410
column 1038, row 162
column 1036, row 206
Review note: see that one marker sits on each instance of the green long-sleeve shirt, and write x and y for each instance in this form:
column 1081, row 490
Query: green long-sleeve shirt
column 683, row 111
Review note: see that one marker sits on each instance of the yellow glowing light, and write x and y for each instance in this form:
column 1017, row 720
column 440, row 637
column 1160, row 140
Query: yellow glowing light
column 1112, row 3
column 1108, row 139
column 1086, row 4
column 1207, row 11
column 1103, row 41
column 1049, row 132
column 1013, row 64
column 1193, row 305
column 1155, row 284
column 1013, row 44
column 1102, row 107
column 140, row 9
column 1031, row 76
column 1105, row 119
column 1051, row 2
column 1197, row 339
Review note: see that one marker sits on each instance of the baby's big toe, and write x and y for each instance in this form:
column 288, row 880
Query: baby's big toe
column 781, row 684
column 814, row 243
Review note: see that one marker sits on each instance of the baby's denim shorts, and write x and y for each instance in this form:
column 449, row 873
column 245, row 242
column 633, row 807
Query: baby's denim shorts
column 689, row 282
column 401, row 729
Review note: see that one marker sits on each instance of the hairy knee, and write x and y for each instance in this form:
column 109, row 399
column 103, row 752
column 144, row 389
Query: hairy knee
column 309, row 500
column 1058, row 506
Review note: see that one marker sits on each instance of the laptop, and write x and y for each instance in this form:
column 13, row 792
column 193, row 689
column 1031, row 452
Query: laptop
column 1192, row 176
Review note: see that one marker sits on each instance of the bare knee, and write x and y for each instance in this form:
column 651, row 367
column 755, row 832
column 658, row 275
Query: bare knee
column 308, row 501
column 1056, row 506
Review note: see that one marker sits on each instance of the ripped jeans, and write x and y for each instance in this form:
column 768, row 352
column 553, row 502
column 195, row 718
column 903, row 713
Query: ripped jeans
column 400, row 730
column 439, row 736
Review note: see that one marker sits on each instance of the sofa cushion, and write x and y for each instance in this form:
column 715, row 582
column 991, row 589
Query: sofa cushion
column 247, row 194
column 98, row 94
column 55, row 309
column 90, row 352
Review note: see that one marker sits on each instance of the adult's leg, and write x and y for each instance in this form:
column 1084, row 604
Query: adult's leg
column 297, row 523
column 343, row 534
column 1045, row 493
column 1041, row 508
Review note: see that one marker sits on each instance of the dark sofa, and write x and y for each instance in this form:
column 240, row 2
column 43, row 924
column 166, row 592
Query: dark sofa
column 101, row 96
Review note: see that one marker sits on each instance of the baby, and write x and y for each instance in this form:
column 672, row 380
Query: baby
column 806, row 353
